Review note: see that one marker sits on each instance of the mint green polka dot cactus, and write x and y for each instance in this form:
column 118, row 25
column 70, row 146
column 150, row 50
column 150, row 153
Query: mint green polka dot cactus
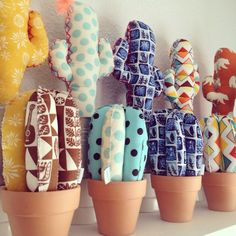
column 81, row 59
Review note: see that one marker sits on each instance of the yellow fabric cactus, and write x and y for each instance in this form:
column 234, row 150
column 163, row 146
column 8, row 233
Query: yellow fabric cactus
column 23, row 43
column 13, row 145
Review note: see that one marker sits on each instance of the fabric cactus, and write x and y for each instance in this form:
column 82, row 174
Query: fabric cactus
column 81, row 59
column 23, row 43
column 123, row 148
column 134, row 59
column 182, row 81
column 221, row 88
column 175, row 143
column 175, row 139
column 13, row 148
column 219, row 134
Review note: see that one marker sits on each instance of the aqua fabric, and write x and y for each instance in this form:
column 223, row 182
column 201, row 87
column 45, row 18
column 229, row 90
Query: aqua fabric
column 134, row 155
column 95, row 141
column 135, row 145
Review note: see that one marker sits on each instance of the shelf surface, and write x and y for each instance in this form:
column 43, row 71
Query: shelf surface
column 205, row 222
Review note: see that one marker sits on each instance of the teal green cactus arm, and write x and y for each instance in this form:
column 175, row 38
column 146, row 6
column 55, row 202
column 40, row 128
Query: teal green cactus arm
column 87, row 58
column 106, row 58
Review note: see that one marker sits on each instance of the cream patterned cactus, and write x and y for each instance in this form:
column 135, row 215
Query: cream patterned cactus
column 23, row 43
column 81, row 59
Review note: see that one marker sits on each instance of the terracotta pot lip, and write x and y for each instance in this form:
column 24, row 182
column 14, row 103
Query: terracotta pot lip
column 219, row 173
column 3, row 189
column 176, row 177
column 117, row 182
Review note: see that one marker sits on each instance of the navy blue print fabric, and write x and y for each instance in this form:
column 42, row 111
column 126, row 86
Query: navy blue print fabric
column 175, row 143
column 134, row 59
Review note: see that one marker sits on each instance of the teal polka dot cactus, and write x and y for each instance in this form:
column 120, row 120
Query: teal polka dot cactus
column 117, row 140
column 81, row 59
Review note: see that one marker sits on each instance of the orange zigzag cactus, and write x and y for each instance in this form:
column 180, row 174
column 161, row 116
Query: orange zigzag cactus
column 182, row 80
column 23, row 43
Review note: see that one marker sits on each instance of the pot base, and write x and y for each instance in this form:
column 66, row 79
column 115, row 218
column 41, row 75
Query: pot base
column 41, row 213
column 117, row 205
column 220, row 191
column 176, row 196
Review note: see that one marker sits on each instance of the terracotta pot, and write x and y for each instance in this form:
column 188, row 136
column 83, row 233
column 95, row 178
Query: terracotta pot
column 176, row 196
column 41, row 213
column 220, row 191
column 117, row 205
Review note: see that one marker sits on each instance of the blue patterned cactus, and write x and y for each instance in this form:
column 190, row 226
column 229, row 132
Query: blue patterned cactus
column 81, row 59
column 175, row 143
column 134, row 59
column 118, row 140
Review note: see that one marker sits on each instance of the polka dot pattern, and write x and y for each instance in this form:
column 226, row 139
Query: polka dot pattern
column 123, row 149
column 89, row 57
column 135, row 145
column 113, row 136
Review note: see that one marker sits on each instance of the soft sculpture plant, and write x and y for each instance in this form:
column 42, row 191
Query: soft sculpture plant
column 221, row 88
column 134, row 66
column 175, row 139
column 219, row 129
column 118, row 144
column 82, row 58
column 23, row 43
column 182, row 81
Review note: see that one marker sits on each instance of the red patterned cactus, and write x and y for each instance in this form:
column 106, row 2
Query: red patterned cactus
column 221, row 88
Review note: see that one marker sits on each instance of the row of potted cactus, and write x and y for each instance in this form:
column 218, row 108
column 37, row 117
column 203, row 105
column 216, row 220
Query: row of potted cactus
column 45, row 145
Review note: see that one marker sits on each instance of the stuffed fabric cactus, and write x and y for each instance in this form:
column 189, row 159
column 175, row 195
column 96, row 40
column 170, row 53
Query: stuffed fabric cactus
column 221, row 88
column 41, row 142
column 182, row 81
column 13, row 149
column 121, row 148
column 81, row 59
column 219, row 134
column 23, row 43
column 134, row 59
column 52, row 141
column 175, row 143
column 175, row 139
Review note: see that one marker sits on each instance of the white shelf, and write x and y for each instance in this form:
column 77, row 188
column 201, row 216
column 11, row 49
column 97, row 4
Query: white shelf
column 204, row 222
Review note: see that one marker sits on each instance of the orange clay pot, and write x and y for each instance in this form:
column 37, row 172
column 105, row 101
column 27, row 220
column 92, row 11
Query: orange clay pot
column 176, row 196
column 117, row 205
column 220, row 191
column 40, row 213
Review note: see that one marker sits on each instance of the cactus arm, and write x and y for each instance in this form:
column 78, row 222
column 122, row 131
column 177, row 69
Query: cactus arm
column 105, row 57
column 159, row 81
column 169, row 86
column 38, row 39
column 196, row 79
column 121, row 69
column 58, row 62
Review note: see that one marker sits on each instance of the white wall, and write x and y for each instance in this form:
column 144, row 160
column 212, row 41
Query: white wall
column 208, row 24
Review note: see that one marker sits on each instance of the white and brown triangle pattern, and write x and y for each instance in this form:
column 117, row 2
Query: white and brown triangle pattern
column 41, row 142
column 69, row 140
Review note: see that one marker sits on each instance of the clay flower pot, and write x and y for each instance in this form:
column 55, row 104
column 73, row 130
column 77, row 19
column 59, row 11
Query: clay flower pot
column 176, row 196
column 220, row 191
column 40, row 213
column 117, row 205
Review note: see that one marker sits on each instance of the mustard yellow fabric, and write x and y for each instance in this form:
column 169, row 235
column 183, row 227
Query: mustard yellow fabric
column 23, row 43
column 13, row 146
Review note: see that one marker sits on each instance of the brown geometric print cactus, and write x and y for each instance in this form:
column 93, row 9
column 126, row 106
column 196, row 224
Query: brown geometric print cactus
column 41, row 142
column 69, row 139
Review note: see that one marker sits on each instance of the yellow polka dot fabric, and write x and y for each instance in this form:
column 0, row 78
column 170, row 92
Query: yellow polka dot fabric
column 23, row 43
column 13, row 146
